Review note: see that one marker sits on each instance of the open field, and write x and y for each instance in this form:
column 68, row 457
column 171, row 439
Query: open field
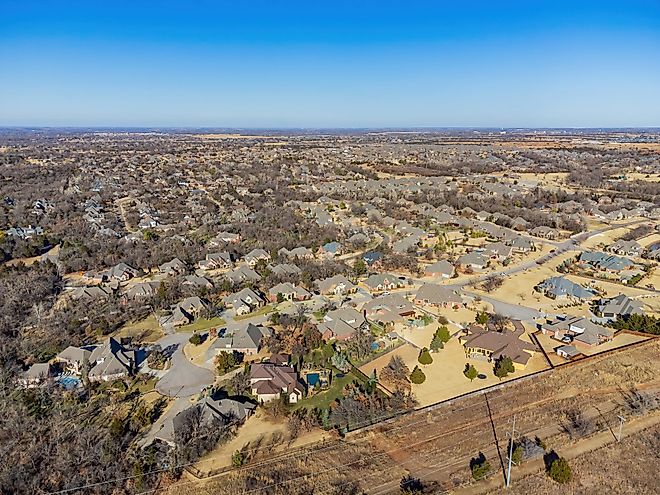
column 147, row 330
column 598, row 462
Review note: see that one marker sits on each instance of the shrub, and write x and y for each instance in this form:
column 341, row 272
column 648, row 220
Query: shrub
column 417, row 376
column 237, row 459
column 479, row 466
column 503, row 366
column 195, row 339
column 560, row 471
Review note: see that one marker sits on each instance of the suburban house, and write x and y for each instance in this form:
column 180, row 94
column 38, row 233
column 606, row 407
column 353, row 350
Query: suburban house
column 289, row 292
column 225, row 237
column 214, row 261
column 197, row 281
column 576, row 329
column 615, row 307
column 111, row 361
column 342, row 324
column 439, row 296
column 372, row 258
column 442, row 268
column 562, row 288
column 247, row 340
column 498, row 251
column 381, row 282
column 626, row 248
column 473, row 261
column 208, row 413
column 73, row 358
column 337, row 285
column 269, row 381
column 37, row 374
column 142, row 290
column 253, row 257
column 284, row 269
column 242, row 274
column 120, row 272
column 544, row 232
column 244, row 301
column 390, row 309
column 330, row 249
column 521, row 244
column 89, row 293
column 606, row 262
column 481, row 343
column 185, row 311
column 299, row 252
column 173, row 268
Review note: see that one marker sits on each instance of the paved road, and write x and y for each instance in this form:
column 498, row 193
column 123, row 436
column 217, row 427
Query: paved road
column 183, row 379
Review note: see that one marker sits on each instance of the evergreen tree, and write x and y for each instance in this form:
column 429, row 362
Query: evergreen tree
column 425, row 357
column 417, row 376
column 470, row 372
column 503, row 366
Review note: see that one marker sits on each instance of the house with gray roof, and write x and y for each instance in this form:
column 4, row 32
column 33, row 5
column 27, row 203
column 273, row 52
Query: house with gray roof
column 390, row 309
column 381, row 282
column 442, row 268
column 120, row 272
column 577, row 330
column 562, row 288
column 626, row 248
column 244, row 301
column 606, row 262
column 242, row 274
column 331, row 249
column 73, row 358
column 337, row 285
column 142, row 290
column 473, row 260
column 618, row 306
column 342, row 324
column 254, row 256
column 37, row 374
column 289, row 292
column 214, row 261
column 283, row 269
column 439, row 296
column 173, row 267
column 111, row 361
column 247, row 339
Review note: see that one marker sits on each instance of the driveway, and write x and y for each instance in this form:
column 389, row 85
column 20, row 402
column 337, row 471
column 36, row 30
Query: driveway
column 183, row 379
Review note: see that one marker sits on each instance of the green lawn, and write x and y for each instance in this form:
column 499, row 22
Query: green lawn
column 262, row 311
column 322, row 400
column 202, row 324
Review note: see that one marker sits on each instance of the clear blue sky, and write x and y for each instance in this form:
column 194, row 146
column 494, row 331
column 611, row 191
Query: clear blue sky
column 330, row 63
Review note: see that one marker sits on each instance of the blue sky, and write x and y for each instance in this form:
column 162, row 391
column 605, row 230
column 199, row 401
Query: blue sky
column 330, row 63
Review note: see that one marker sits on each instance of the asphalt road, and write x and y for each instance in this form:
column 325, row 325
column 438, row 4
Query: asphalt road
column 184, row 379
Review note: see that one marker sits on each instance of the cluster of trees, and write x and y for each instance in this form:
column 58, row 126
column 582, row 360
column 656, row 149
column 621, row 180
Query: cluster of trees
column 361, row 404
column 638, row 323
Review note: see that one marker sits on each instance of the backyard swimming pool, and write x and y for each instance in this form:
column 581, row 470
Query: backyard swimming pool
column 69, row 382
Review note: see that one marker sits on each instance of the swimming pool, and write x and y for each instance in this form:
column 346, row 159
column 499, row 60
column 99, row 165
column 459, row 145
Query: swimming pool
column 313, row 379
column 69, row 382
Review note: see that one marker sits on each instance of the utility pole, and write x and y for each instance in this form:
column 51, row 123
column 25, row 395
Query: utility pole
column 621, row 421
column 512, row 435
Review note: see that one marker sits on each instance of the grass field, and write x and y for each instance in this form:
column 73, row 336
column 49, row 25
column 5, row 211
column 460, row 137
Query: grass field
column 322, row 400
column 147, row 330
column 202, row 324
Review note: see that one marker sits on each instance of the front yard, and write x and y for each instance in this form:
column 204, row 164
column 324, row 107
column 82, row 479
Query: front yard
column 202, row 324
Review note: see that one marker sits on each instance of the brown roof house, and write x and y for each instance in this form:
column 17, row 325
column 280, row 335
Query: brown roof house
column 269, row 381
column 489, row 345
